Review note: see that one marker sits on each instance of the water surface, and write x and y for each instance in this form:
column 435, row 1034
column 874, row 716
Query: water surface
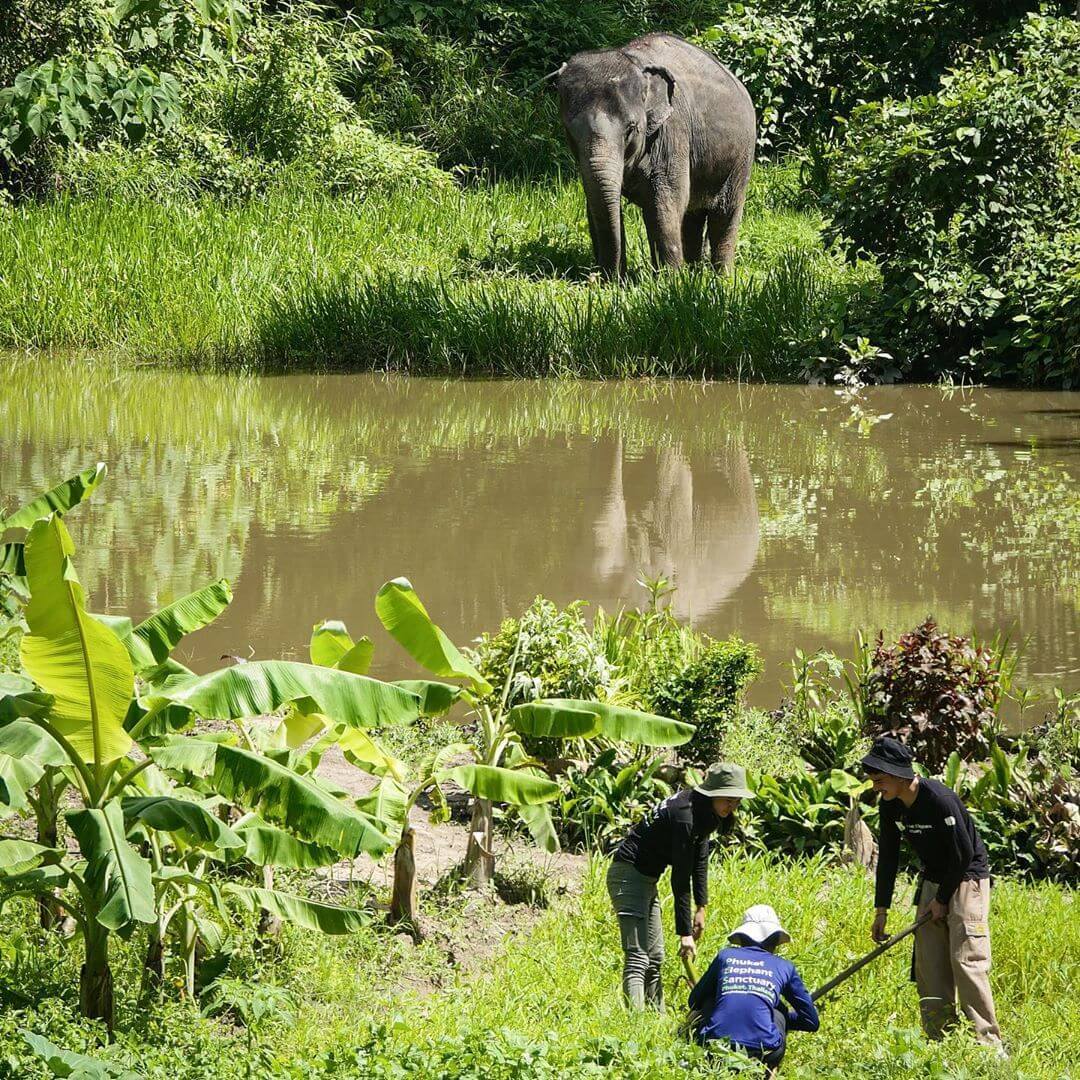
column 773, row 516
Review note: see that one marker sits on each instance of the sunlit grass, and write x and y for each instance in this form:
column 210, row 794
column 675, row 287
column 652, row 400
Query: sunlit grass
column 485, row 280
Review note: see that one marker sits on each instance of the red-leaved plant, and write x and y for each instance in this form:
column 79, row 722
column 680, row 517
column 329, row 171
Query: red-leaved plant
column 935, row 692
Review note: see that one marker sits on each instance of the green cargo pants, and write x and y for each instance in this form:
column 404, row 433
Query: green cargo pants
column 633, row 895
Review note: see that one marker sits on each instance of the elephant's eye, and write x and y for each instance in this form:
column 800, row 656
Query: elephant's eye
column 631, row 126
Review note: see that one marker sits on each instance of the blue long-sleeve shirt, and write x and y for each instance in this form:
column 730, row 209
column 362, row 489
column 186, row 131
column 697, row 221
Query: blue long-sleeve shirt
column 739, row 992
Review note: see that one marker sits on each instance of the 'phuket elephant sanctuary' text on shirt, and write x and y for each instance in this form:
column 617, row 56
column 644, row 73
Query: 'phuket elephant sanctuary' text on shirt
column 739, row 993
column 676, row 834
column 942, row 835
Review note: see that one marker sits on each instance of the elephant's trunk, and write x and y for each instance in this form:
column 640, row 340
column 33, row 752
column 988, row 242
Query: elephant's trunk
column 602, row 177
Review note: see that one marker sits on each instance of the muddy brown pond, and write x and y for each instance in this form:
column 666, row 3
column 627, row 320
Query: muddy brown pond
column 772, row 514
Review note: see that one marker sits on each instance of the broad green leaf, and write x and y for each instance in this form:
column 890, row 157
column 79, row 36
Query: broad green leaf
column 266, row 845
column 326, row 918
column 386, row 804
column 541, row 827
column 25, row 752
column 59, row 499
column 503, row 785
column 20, row 856
column 13, row 559
column 302, row 722
column 196, row 757
column 19, row 698
column 332, row 646
column 629, row 725
column 188, row 819
column 362, row 751
column 297, row 803
column 115, row 871
column 65, row 1063
column 408, row 623
column 435, row 697
column 71, row 655
column 41, row 879
column 555, row 720
column 157, row 636
column 264, row 686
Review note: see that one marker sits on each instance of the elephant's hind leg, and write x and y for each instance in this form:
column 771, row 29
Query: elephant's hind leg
column 693, row 235
column 724, row 220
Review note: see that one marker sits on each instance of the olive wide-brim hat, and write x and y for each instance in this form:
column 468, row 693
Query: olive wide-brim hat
column 725, row 780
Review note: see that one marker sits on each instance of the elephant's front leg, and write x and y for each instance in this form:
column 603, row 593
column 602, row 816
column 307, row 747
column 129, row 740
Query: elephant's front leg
column 664, row 214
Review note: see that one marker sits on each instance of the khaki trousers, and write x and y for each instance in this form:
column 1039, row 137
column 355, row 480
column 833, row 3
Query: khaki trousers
column 952, row 959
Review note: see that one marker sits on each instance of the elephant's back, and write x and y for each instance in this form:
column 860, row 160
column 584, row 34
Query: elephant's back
column 712, row 82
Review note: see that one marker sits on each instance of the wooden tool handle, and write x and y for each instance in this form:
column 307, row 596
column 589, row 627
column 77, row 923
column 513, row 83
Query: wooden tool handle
column 834, row 982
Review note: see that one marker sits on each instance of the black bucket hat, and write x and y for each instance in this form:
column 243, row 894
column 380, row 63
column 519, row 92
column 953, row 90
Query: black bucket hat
column 890, row 756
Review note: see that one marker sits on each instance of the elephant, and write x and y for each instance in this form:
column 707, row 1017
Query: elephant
column 668, row 126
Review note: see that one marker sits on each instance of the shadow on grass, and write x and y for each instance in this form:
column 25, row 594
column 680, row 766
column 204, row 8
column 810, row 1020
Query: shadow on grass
column 559, row 254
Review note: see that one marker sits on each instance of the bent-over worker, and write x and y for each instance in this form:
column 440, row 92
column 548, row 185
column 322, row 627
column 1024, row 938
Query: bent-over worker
column 952, row 951
column 740, row 998
column 675, row 834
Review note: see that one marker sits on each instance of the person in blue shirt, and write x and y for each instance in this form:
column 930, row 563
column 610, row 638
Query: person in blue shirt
column 738, row 999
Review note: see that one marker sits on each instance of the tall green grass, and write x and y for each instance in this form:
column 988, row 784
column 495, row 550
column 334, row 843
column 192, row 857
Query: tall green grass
column 487, row 280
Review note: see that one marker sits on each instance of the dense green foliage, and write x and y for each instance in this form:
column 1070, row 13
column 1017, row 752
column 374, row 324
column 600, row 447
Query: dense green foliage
column 939, row 135
column 970, row 199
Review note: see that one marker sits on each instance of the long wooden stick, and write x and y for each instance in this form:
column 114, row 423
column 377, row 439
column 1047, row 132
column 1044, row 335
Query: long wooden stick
column 834, row 982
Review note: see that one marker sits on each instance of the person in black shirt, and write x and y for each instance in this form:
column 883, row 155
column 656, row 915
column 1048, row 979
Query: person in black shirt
column 675, row 834
column 952, row 951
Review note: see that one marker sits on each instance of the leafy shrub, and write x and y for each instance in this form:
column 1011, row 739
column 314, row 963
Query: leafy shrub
column 604, row 799
column 936, row 692
column 708, row 692
column 556, row 655
column 970, row 197
column 833, row 740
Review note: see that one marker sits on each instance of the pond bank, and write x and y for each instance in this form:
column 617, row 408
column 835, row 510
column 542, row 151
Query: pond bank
column 486, row 280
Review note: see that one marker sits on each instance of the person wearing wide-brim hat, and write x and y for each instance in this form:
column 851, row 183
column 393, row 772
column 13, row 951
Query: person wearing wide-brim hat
column 952, row 950
column 676, row 833
column 739, row 1000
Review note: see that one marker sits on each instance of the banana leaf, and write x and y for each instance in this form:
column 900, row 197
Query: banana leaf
column 408, row 623
column 20, row 856
column 629, row 725
column 332, row 646
column 57, row 500
column 541, row 827
column 193, row 822
column 511, row 786
column 153, row 639
column 266, row 845
column 13, row 559
column 302, row 722
column 65, row 1063
column 386, row 804
column 25, row 752
column 293, row 802
column 115, row 871
column 19, row 699
column 71, row 655
column 363, row 752
column 435, row 697
column 555, row 720
column 41, row 879
column 326, row 918
column 264, row 686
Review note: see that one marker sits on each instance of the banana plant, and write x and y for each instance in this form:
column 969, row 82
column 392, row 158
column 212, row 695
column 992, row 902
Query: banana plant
column 76, row 709
column 500, row 771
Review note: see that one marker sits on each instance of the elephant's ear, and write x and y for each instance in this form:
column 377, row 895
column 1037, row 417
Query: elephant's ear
column 659, row 95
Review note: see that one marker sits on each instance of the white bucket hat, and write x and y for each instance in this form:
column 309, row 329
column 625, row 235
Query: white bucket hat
column 759, row 924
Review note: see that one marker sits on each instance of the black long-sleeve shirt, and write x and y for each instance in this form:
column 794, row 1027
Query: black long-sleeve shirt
column 942, row 835
column 676, row 834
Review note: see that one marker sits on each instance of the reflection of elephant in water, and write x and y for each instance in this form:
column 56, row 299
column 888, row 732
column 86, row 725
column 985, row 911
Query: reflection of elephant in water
column 698, row 525
column 668, row 126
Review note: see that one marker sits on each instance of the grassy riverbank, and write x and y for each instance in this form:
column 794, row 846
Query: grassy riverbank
column 546, row 1003
column 487, row 280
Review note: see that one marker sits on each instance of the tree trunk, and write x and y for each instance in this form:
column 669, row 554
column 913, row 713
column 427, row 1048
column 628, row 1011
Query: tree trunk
column 191, row 941
column 403, row 902
column 45, row 810
column 269, row 925
column 479, row 856
column 95, row 978
column 153, row 973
